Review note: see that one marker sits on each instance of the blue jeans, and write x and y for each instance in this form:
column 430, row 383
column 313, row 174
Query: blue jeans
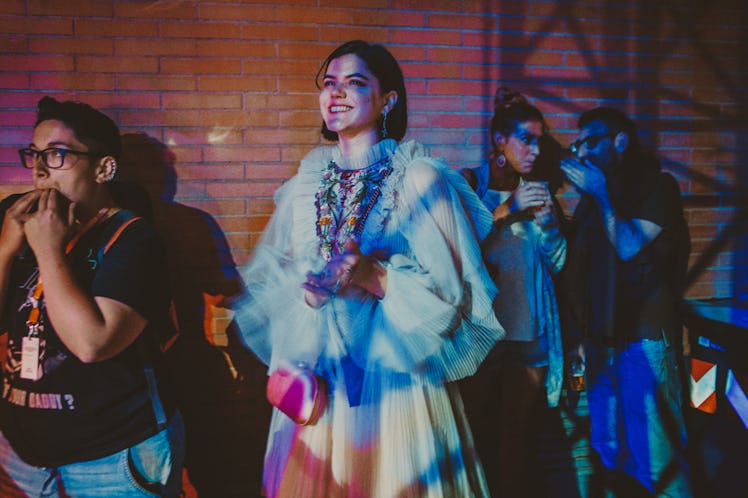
column 151, row 468
column 636, row 417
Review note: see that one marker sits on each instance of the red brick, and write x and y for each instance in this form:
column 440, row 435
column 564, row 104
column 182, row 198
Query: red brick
column 487, row 72
column 238, row 118
column 37, row 62
column 242, row 189
column 14, row 178
column 196, row 30
column 157, row 118
column 20, row 100
column 14, row 117
column 261, row 206
column 314, row 14
column 293, row 155
column 316, row 52
column 210, row 172
column 426, row 37
column 185, row 65
column 202, row 101
column 271, row 101
column 15, row 81
column 345, row 33
column 299, row 118
column 280, row 67
column 199, row 136
column 462, row 21
column 222, row 207
column 13, row 7
column 235, row 48
column 270, row 171
column 433, row 5
column 406, row 53
column 388, row 17
column 454, row 87
column 95, row 64
column 13, row 44
column 371, row 4
column 209, row 83
column 151, row 82
column 239, row 13
column 147, row 9
column 435, row 104
column 283, row 136
column 495, row 41
column 463, row 55
column 432, row 70
column 57, row 45
column 26, row 25
column 63, row 81
column 267, row 31
column 71, row 8
column 116, row 28
column 241, row 154
column 455, row 121
column 128, row 46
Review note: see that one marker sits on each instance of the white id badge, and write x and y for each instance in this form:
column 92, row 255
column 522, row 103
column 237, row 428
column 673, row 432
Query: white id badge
column 30, row 358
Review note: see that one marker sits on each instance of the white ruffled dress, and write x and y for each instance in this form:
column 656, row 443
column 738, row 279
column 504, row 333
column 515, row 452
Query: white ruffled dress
column 395, row 425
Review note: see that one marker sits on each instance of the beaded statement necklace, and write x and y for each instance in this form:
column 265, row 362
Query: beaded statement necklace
column 344, row 201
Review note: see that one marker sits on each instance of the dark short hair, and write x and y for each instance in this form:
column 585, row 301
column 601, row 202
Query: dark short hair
column 385, row 68
column 615, row 120
column 90, row 126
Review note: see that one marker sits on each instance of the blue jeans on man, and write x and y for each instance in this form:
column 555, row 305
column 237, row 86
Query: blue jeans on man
column 636, row 415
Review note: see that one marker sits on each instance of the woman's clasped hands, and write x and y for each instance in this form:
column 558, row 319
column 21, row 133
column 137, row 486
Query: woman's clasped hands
column 349, row 268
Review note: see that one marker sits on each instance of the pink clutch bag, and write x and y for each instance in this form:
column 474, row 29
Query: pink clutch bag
column 298, row 392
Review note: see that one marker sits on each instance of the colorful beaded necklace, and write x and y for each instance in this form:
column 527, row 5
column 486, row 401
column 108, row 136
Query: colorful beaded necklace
column 344, row 201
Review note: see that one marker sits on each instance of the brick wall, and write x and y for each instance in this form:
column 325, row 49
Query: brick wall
column 224, row 91
column 217, row 105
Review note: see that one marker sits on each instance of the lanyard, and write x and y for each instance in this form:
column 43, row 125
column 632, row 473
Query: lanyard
column 32, row 324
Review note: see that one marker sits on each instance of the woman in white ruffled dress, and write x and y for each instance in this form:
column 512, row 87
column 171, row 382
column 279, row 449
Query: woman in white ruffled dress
column 370, row 273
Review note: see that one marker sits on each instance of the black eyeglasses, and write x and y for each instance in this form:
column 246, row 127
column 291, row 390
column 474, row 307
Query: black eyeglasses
column 53, row 157
column 589, row 142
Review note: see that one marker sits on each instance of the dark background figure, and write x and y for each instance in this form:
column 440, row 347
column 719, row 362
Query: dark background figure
column 216, row 380
column 628, row 251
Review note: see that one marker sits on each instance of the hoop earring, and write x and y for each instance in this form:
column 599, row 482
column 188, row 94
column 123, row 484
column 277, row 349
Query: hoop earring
column 501, row 161
column 384, row 124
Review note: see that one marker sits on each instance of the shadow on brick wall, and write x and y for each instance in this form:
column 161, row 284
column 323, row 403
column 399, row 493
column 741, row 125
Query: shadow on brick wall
column 220, row 386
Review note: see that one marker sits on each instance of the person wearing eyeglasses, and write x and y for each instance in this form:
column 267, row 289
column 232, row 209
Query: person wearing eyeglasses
column 627, row 257
column 84, row 301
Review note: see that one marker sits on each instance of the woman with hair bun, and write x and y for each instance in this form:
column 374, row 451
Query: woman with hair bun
column 523, row 253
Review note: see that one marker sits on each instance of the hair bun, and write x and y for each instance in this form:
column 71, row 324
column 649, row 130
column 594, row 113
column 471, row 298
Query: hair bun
column 506, row 98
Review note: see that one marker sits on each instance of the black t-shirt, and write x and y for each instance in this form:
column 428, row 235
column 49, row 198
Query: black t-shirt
column 635, row 299
column 77, row 411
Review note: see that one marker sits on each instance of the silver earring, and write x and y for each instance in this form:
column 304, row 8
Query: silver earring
column 112, row 171
column 501, row 161
column 384, row 124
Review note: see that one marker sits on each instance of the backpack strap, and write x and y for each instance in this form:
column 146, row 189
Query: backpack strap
column 128, row 219
column 159, row 412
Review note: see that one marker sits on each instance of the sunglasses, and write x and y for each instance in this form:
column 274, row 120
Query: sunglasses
column 589, row 142
column 53, row 157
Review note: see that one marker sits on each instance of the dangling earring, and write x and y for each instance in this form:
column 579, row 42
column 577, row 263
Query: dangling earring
column 384, row 124
column 501, row 160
